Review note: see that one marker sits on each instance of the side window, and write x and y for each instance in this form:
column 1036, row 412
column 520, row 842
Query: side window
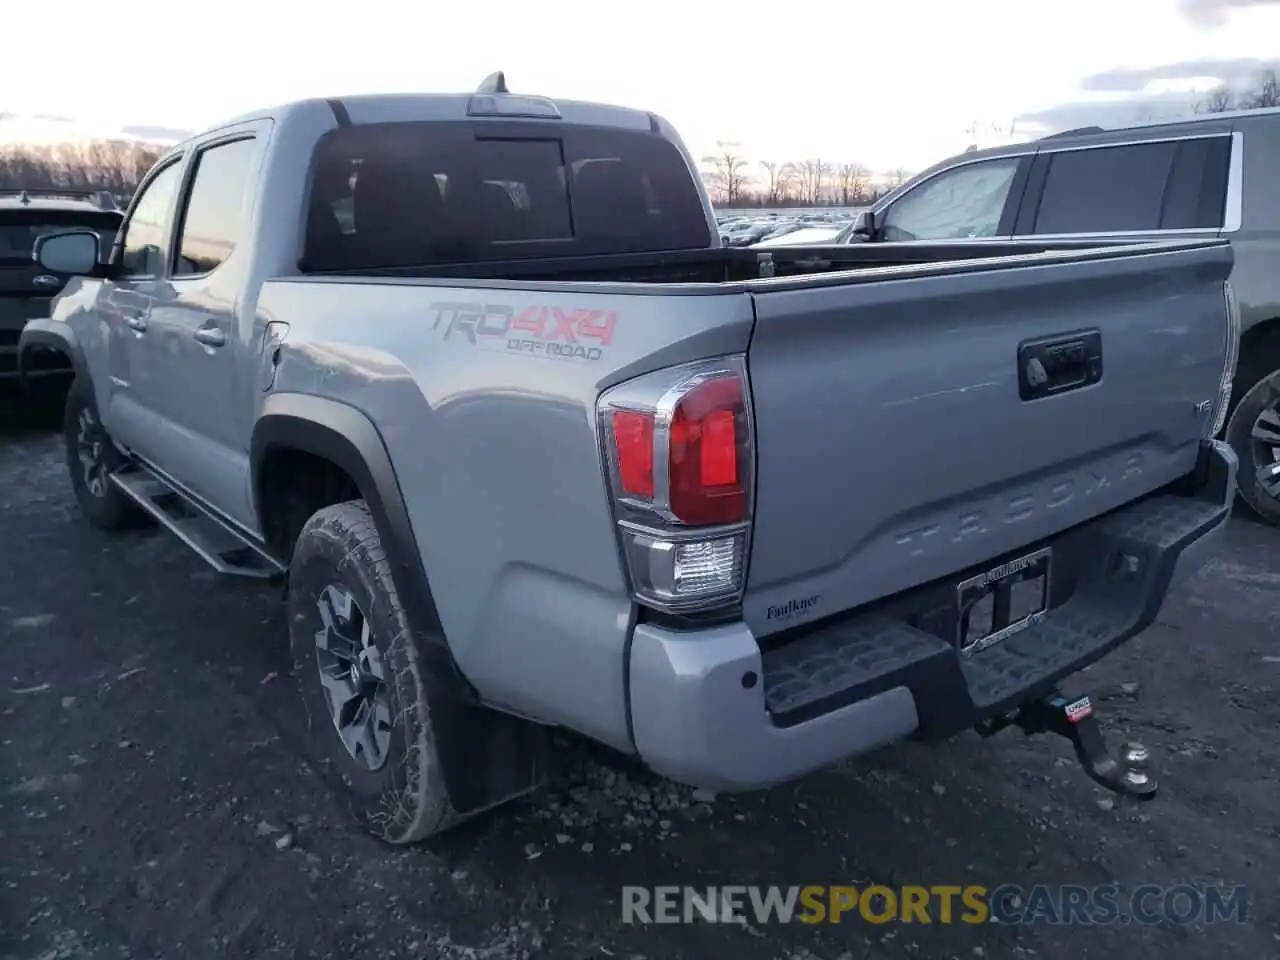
column 1105, row 189
column 215, row 216
column 958, row 204
column 1197, row 193
column 142, row 254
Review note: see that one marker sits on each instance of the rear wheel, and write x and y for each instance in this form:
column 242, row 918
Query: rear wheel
column 91, row 459
column 362, row 678
column 1254, row 433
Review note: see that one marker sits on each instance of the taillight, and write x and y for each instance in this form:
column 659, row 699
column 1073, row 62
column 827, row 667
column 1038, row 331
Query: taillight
column 680, row 455
column 1223, row 403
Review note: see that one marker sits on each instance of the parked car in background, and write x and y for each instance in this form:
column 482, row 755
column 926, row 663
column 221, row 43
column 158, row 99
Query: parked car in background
column 26, row 291
column 769, row 227
column 810, row 235
column 746, row 232
column 1208, row 176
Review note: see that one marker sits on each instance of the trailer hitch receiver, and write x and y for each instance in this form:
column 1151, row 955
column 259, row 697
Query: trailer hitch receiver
column 1124, row 773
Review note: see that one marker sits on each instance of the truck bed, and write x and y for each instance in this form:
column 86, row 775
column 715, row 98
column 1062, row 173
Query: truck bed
column 895, row 444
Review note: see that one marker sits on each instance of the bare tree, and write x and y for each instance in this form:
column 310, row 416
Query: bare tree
column 897, row 178
column 851, row 181
column 1265, row 93
column 1219, row 100
column 792, row 178
column 727, row 171
column 776, row 173
column 813, row 178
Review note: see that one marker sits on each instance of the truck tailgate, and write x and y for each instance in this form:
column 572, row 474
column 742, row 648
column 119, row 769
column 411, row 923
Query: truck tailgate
column 897, row 445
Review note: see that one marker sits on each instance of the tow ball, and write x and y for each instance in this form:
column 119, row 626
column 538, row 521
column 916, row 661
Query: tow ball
column 1073, row 718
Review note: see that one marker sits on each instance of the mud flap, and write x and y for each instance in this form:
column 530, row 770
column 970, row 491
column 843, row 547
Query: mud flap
column 1125, row 773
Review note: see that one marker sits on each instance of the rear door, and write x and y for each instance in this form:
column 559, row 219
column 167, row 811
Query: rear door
column 204, row 348
column 1149, row 189
column 895, row 444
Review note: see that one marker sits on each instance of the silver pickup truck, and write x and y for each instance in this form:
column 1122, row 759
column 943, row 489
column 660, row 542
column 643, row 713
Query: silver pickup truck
column 473, row 376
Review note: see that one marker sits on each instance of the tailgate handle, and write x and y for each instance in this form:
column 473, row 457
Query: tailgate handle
column 1059, row 364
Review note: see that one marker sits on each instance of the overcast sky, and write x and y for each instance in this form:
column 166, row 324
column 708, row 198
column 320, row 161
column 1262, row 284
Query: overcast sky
column 887, row 84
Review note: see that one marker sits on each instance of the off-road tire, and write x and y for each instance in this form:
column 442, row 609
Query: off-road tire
column 406, row 800
column 1258, row 393
column 107, row 507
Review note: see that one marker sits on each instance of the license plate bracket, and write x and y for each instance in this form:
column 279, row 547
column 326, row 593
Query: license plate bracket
column 1005, row 600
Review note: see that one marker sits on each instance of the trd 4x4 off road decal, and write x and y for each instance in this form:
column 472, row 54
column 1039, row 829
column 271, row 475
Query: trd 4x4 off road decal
column 558, row 333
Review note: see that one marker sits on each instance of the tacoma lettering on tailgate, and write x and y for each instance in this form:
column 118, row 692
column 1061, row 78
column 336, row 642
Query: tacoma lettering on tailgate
column 977, row 520
column 558, row 333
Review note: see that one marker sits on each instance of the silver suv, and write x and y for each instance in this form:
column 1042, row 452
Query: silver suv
column 1211, row 175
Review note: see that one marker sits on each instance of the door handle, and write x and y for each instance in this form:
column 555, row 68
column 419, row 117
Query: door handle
column 136, row 323
column 211, row 336
column 1058, row 364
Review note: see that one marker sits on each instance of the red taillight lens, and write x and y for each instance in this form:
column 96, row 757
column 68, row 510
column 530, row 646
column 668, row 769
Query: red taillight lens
column 679, row 450
column 705, row 452
column 633, row 439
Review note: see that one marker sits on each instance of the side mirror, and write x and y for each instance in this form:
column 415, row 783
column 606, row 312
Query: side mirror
column 864, row 225
column 74, row 252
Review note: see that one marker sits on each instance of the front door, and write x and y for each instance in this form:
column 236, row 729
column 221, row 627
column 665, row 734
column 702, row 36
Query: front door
column 129, row 398
column 204, row 342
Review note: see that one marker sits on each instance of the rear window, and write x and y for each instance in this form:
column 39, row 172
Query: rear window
column 19, row 231
column 411, row 194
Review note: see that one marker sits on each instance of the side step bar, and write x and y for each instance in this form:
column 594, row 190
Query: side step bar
column 220, row 545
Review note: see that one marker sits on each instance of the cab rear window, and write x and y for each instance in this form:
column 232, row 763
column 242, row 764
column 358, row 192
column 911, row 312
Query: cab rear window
column 410, row 194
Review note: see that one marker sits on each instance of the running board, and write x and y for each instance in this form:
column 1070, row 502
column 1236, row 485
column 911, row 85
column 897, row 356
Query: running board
column 213, row 539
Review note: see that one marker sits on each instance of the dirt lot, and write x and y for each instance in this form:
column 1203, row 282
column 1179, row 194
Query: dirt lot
column 153, row 803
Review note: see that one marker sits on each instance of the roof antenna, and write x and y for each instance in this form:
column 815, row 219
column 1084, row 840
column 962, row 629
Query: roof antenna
column 494, row 83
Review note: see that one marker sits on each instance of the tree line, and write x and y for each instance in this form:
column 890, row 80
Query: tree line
column 1263, row 93
column 735, row 182
column 117, row 166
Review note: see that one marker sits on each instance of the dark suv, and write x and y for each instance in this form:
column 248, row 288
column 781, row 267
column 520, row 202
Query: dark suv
column 25, row 290
column 1210, row 175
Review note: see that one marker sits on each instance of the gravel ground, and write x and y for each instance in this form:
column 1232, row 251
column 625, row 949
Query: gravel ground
column 153, row 802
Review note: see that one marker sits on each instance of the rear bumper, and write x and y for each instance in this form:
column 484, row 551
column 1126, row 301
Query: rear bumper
column 708, row 707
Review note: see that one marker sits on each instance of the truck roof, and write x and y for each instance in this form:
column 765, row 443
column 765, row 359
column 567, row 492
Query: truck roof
column 427, row 107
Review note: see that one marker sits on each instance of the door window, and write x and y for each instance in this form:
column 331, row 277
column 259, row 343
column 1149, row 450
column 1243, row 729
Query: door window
column 957, row 204
column 1105, row 189
column 143, row 251
column 216, row 216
